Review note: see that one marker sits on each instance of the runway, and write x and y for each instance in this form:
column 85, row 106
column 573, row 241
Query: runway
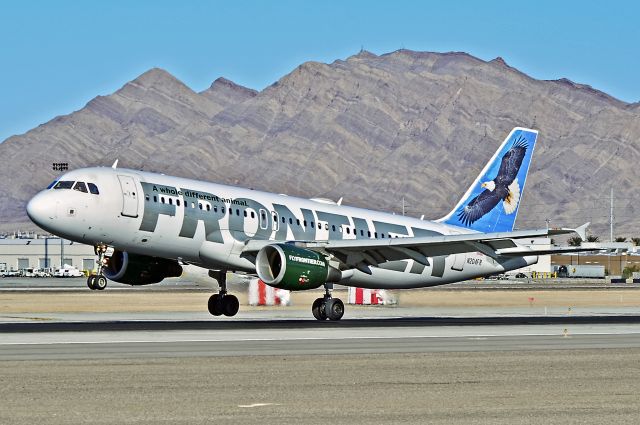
column 417, row 370
column 541, row 362
column 124, row 339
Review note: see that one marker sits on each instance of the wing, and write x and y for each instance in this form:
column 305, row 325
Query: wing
column 364, row 253
column 478, row 207
column 511, row 162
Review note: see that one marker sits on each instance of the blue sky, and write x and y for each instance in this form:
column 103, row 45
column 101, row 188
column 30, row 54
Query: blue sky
column 58, row 55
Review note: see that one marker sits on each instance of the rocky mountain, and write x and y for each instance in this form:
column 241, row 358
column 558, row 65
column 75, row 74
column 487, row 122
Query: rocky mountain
column 373, row 129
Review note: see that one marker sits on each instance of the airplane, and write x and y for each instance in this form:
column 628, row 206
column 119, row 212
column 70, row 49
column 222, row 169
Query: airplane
column 152, row 224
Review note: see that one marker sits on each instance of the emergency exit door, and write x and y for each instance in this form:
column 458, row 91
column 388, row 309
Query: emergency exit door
column 129, row 196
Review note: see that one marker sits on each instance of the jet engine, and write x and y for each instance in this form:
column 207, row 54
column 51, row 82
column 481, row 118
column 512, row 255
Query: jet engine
column 134, row 269
column 289, row 267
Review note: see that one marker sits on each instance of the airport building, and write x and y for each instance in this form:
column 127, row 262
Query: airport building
column 43, row 253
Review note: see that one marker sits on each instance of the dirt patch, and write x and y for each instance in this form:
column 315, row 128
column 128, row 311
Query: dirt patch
column 196, row 301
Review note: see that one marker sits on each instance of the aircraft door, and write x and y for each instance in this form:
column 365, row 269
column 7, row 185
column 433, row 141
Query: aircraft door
column 129, row 196
column 264, row 220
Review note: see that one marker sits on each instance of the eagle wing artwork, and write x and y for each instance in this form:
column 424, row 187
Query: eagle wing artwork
column 503, row 187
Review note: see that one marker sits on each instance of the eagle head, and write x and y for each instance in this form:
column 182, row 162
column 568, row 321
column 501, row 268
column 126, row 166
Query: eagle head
column 490, row 185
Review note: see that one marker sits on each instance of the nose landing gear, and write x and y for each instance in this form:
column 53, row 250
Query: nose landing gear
column 222, row 303
column 98, row 281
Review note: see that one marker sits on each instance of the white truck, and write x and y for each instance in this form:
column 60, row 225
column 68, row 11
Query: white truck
column 68, row 271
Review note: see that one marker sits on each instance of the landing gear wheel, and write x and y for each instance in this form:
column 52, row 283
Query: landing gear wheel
column 334, row 309
column 214, row 305
column 318, row 309
column 90, row 281
column 230, row 305
column 100, row 282
column 221, row 303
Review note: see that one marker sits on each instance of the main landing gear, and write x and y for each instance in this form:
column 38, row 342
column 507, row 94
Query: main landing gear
column 222, row 303
column 98, row 281
column 327, row 307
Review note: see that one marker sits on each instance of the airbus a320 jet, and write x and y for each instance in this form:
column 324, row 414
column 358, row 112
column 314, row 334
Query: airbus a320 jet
column 156, row 223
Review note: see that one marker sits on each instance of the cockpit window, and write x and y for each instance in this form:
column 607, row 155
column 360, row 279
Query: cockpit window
column 53, row 183
column 80, row 187
column 93, row 189
column 63, row 184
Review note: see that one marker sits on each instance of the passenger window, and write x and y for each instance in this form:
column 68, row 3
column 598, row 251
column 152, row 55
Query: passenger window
column 326, row 226
column 369, row 233
column 215, row 208
column 382, row 235
column 298, row 221
column 319, row 226
column 290, row 220
column 208, row 207
column 222, row 210
column 310, row 225
column 93, row 189
column 162, row 199
column 237, row 212
column 63, row 185
column 376, row 235
column 146, row 197
column 155, row 199
column 348, row 231
column 178, row 202
column 361, row 232
column 170, row 201
column 245, row 213
column 333, row 227
column 199, row 205
column 283, row 220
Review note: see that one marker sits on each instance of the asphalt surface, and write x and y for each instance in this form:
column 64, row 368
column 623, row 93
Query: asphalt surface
column 387, row 372
column 380, row 365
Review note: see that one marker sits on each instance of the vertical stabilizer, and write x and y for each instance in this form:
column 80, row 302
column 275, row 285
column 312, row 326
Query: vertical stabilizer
column 491, row 203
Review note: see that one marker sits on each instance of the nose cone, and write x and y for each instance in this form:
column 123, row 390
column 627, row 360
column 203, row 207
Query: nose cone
column 40, row 210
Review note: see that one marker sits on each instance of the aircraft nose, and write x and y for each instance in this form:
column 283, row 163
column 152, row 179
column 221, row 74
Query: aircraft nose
column 39, row 210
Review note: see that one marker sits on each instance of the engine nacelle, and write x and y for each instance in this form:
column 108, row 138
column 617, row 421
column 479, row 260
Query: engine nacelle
column 289, row 267
column 134, row 269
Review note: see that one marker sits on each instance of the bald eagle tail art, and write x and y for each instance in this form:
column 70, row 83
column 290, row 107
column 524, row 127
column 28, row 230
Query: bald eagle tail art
column 510, row 203
column 492, row 201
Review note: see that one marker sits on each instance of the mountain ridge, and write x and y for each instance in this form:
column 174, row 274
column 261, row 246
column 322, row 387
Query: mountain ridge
column 372, row 128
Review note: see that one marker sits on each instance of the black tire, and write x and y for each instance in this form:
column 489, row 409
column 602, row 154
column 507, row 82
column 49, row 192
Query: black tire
column 318, row 309
column 90, row 280
column 230, row 305
column 214, row 305
column 334, row 309
column 100, row 282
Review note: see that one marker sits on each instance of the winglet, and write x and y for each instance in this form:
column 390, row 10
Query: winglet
column 582, row 231
column 115, row 164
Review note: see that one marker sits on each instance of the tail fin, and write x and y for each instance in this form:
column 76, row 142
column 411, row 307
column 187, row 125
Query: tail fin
column 491, row 203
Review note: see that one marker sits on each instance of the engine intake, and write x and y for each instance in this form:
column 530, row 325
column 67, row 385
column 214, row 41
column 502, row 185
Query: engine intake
column 134, row 269
column 289, row 267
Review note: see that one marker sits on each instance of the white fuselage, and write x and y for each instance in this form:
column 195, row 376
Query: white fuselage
column 209, row 224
